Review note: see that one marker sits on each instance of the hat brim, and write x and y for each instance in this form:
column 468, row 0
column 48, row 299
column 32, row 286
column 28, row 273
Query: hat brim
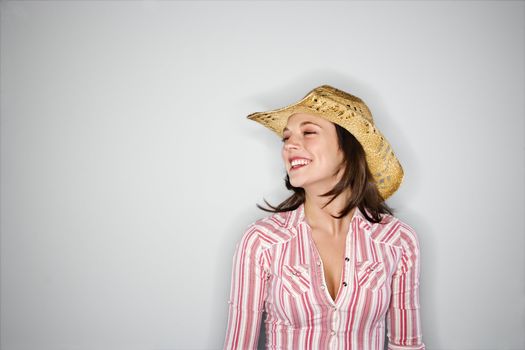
column 354, row 116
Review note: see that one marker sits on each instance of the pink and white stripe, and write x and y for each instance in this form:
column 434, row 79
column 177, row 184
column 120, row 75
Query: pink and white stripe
column 277, row 269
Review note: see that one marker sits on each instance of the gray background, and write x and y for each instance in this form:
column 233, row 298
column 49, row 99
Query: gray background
column 129, row 171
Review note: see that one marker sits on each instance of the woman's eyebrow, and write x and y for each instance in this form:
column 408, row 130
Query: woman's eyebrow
column 303, row 123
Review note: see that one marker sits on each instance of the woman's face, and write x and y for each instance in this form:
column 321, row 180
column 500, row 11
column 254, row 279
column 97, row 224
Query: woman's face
column 311, row 152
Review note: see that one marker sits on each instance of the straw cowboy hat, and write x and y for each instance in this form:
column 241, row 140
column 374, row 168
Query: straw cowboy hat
column 351, row 113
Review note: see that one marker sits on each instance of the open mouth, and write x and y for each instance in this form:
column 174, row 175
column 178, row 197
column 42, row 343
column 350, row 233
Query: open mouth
column 299, row 163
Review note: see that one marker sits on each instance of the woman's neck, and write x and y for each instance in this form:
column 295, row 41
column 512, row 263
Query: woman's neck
column 318, row 217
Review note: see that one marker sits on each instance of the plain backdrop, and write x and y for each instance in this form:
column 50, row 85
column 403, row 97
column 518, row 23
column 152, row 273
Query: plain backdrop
column 129, row 170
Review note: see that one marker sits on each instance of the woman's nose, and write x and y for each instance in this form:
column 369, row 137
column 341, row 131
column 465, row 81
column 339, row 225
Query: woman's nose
column 291, row 143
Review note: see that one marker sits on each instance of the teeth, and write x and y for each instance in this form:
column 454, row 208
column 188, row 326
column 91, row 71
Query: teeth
column 296, row 162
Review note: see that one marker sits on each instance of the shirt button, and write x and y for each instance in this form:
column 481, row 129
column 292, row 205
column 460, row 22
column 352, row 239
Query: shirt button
column 332, row 332
column 347, row 259
column 345, row 284
column 322, row 287
column 318, row 263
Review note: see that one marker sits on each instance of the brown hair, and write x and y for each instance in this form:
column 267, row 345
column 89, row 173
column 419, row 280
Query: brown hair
column 356, row 176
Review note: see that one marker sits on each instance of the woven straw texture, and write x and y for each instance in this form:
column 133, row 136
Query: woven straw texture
column 351, row 113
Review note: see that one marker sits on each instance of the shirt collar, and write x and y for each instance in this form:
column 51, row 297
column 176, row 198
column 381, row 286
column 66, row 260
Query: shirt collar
column 297, row 216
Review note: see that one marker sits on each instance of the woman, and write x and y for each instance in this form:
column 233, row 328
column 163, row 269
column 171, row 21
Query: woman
column 332, row 267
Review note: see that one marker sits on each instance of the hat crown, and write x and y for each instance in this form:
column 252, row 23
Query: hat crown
column 326, row 97
column 351, row 113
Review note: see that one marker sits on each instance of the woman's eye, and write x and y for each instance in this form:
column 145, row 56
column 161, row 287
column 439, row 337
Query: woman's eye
column 309, row 132
column 284, row 139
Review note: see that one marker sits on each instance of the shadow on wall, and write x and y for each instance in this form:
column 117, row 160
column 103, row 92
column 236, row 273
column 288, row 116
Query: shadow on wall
column 262, row 334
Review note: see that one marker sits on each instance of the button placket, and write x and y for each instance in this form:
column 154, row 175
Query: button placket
column 320, row 275
column 320, row 270
column 335, row 319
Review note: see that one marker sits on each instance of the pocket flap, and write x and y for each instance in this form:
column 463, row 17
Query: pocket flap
column 370, row 274
column 296, row 278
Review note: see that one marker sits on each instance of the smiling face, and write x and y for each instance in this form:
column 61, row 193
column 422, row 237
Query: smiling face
column 311, row 152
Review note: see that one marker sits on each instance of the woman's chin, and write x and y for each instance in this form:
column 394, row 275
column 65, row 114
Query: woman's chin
column 296, row 182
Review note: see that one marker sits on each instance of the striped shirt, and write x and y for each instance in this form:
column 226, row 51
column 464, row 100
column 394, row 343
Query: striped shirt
column 277, row 268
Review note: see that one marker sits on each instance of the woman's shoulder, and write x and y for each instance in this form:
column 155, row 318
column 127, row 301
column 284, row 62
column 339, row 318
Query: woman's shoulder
column 271, row 229
column 273, row 221
column 395, row 231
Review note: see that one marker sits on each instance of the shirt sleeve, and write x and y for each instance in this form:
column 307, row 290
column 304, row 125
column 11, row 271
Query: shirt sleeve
column 403, row 317
column 247, row 293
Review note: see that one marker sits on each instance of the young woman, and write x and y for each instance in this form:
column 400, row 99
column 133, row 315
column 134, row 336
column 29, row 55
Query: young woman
column 332, row 267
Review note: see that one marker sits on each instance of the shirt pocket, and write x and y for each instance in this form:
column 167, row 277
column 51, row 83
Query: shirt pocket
column 296, row 279
column 370, row 274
